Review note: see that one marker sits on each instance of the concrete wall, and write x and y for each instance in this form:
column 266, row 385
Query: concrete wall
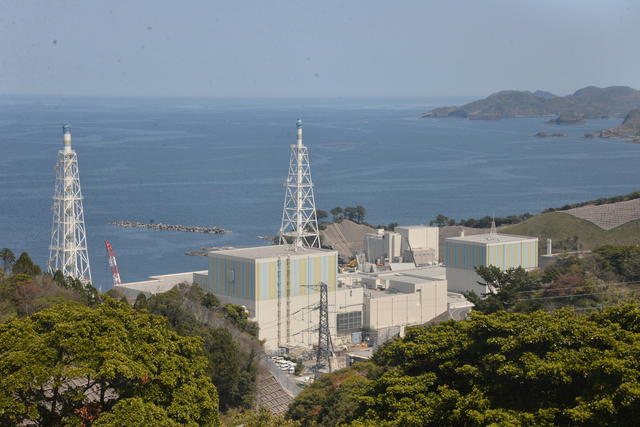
column 427, row 302
column 303, row 317
column 460, row 280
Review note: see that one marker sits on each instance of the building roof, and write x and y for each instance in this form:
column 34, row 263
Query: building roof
column 156, row 284
column 489, row 239
column 412, row 227
column 270, row 252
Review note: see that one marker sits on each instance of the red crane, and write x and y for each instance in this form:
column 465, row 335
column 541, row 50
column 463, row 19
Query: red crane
column 113, row 265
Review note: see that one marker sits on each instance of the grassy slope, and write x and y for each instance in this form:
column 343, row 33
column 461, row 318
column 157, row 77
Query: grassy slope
column 559, row 226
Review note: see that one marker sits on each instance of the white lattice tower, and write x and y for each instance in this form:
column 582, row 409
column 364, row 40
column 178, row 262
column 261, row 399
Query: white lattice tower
column 299, row 222
column 68, row 250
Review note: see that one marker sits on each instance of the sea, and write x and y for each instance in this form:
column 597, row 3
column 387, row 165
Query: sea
column 223, row 162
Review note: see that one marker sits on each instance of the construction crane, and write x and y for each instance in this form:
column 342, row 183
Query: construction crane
column 112, row 263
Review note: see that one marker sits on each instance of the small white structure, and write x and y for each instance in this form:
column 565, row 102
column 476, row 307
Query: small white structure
column 409, row 244
column 383, row 246
column 422, row 244
column 463, row 254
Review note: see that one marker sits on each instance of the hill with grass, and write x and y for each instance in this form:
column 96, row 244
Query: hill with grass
column 567, row 231
column 589, row 102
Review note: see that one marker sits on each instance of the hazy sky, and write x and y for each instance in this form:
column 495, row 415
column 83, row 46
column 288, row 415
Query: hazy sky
column 316, row 48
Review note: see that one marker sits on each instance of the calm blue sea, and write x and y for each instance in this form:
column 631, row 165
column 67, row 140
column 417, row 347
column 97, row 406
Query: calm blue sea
column 223, row 162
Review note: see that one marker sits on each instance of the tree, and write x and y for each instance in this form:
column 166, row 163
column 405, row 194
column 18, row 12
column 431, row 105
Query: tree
column 141, row 302
column 209, row 300
column 222, row 352
column 510, row 369
column 360, row 214
column 440, row 220
column 336, row 212
column 24, row 265
column 237, row 314
column 350, row 213
column 8, row 258
column 320, row 215
column 51, row 362
column 508, row 290
column 328, row 401
column 263, row 417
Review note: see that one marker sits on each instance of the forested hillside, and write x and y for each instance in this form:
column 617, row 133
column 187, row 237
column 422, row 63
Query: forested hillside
column 100, row 375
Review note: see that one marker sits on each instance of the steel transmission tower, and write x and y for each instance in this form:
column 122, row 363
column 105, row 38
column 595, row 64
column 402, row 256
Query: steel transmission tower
column 299, row 222
column 68, row 250
column 325, row 347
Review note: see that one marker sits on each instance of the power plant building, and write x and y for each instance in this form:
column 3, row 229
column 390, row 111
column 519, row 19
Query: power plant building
column 411, row 244
column 463, row 254
column 279, row 288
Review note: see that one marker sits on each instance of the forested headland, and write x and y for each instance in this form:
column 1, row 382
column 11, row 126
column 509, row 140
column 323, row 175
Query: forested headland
column 588, row 103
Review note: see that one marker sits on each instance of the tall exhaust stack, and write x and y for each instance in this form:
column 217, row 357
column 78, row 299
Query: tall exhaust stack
column 68, row 250
column 548, row 246
column 299, row 223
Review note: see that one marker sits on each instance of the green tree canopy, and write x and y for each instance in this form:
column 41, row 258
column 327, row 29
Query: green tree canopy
column 511, row 369
column 24, row 265
column 320, row 215
column 336, row 213
column 129, row 361
column 141, row 302
column 509, row 290
column 440, row 220
column 361, row 212
column 327, row 402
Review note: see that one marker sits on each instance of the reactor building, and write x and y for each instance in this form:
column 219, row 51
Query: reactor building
column 464, row 253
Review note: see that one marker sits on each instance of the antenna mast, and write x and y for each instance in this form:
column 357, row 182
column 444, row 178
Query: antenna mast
column 114, row 266
column 68, row 250
column 299, row 222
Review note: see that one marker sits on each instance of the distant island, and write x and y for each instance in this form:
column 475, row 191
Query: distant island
column 587, row 103
column 566, row 119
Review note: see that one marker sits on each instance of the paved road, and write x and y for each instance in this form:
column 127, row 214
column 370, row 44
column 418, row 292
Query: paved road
column 460, row 313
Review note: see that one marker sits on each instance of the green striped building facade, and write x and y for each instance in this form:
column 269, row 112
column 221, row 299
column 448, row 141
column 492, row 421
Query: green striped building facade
column 515, row 252
column 261, row 278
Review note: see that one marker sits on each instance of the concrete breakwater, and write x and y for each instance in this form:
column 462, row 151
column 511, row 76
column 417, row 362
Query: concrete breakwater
column 167, row 227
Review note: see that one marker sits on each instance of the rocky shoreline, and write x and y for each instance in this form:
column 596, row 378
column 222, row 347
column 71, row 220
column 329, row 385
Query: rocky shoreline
column 167, row 227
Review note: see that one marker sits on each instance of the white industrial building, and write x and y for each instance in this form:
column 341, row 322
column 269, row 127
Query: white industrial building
column 278, row 288
column 464, row 253
column 400, row 298
column 416, row 243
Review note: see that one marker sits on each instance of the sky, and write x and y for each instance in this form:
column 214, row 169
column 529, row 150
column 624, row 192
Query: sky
column 324, row 48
